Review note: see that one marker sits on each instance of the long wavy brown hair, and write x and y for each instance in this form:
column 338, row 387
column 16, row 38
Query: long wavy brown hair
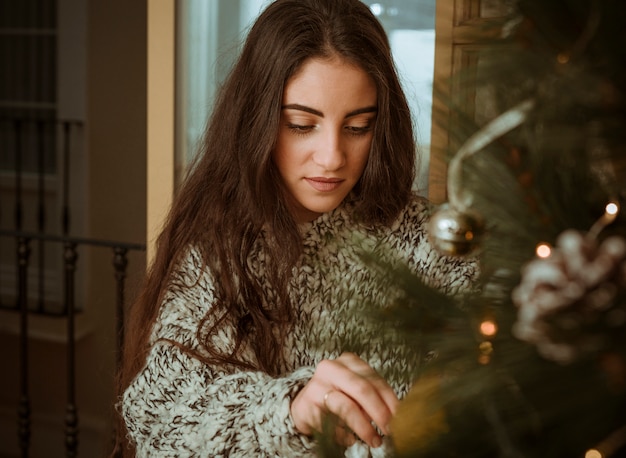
column 233, row 189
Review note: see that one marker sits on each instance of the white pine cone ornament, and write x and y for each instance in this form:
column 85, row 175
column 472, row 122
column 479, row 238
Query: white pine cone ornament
column 571, row 301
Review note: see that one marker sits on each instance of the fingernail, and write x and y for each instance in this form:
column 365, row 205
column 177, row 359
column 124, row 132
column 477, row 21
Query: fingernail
column 377, row 442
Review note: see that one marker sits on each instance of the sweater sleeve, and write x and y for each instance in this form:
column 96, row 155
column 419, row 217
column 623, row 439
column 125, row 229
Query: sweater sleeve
column 180, row 406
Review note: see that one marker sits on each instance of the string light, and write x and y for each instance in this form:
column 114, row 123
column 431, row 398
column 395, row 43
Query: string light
column 593, row 453
column 486, row 349
column 488, row 328
column 611, row 210
column 543, row 250
column 562, row 58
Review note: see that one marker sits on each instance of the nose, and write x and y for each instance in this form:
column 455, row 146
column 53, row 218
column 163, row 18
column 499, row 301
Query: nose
column 329, row 153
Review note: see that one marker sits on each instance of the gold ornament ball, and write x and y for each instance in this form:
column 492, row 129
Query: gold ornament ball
column 455, row 233
column 419, row 419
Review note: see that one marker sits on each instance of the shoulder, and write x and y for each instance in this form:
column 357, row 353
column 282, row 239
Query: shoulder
column 414, row 215
column 408, row 238
column 189, row 295
column 408, row 229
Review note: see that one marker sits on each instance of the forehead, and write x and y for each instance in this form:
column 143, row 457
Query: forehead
column 326, row 80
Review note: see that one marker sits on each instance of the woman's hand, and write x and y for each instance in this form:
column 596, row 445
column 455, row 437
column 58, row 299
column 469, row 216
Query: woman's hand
column 350, row 389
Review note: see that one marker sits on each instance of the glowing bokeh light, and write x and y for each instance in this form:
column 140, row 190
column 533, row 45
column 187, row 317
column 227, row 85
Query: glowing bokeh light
column 488, row 328
column 377, row 9
column 543, row 250
column 486, row 348
column 611, row 208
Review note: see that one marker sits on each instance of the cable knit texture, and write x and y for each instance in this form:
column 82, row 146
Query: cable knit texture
column 179, row 406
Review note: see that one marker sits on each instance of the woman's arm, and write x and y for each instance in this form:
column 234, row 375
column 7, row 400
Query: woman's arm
column 177, row 407
column 180, row 406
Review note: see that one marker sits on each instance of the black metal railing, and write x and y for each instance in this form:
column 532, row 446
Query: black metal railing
column 38, row 160
column 71, row 246
column 37, row 157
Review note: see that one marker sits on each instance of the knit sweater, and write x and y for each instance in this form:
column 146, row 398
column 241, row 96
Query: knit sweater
column 179, row 406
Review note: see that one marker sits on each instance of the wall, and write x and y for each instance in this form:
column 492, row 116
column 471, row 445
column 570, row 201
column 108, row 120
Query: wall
column 114, row 75
column 117, row 141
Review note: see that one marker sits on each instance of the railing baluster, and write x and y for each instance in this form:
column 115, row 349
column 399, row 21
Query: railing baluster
column 1, row 224
column 41, row 212
column 71, row 416
column 66, row 178
column 18, row 174
column 23, row 253
column 70, row 256
column 27, row 225
column 120, row 262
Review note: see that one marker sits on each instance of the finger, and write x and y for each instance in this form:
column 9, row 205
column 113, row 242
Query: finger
column 369, row 390
column 355, row 418
column 386, row 393
column 359, row 366
column 344, row 436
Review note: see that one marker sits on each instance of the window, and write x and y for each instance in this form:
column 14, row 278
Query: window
column 410, row 25
column 28, row 42
column 210, row 35
column 42, row 113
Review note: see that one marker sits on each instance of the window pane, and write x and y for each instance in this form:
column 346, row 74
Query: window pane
column 28, row 85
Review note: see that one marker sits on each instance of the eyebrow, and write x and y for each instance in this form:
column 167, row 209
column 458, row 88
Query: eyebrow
column 358, row 111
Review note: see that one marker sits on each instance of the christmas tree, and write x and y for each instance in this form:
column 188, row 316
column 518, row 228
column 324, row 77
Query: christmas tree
column 533, row 363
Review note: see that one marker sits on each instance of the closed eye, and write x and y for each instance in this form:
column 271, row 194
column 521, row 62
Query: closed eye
column 358, row 130
column 300, row 129
column 354, row 130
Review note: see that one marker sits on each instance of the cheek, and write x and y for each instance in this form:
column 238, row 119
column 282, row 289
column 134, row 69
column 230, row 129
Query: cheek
column 278, row 160
column 284, row 159
column 279, row 155
column 289, row 153
column 362, row 157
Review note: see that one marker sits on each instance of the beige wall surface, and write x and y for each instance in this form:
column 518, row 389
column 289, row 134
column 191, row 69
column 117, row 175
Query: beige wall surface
column 160, row 119
column 116, row 126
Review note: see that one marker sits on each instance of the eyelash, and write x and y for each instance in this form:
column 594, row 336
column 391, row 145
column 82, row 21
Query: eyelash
column 299, row 129
column 358, row 131
column 304, row 130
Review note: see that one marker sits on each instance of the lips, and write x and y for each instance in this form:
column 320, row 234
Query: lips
column 323, row 184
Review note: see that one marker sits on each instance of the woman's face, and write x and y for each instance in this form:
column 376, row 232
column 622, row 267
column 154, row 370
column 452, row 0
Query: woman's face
column 326, row 130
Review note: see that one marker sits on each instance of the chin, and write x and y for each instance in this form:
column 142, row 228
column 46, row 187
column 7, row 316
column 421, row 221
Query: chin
column 324, row 210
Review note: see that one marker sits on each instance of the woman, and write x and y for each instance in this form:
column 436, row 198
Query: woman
column 310, row 148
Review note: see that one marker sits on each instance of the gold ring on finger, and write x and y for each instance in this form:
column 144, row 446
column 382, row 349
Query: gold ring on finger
column 326, row 398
